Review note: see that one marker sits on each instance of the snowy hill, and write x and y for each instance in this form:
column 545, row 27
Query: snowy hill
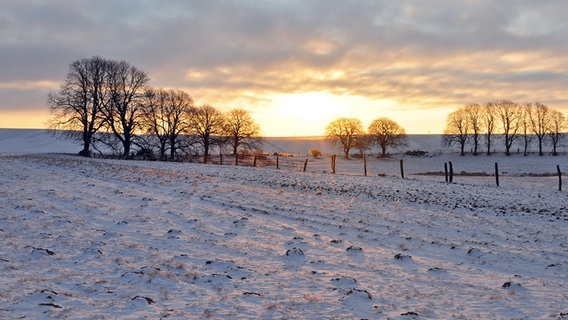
column 41, row 141
column 96, row 239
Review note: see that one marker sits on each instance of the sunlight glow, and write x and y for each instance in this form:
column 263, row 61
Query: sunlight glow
column 307, row 114
column 33, row 119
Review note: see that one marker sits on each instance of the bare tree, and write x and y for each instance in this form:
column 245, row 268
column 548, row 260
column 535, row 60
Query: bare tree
column 457, row 129
column 242, row 130
column 363, row 142
column 488, row 121
column 344, row 131
column 207, row 124
column 166, row 116
column 387, row 133
column 125, row 84
column 556, row 128
column 154, row 120
column 76, row 107
column 474, row 120
column 509, row 115
column 539, row 116
column 525, row 127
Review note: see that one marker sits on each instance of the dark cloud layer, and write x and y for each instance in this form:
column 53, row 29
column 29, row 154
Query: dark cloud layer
column 420, row 53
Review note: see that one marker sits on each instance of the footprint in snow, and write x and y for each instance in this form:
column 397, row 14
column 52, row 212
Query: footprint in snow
column 355, row 295
column 295, row 252
column 354, row 249
column 344, row 282
column 402, row 257
column 511, row 285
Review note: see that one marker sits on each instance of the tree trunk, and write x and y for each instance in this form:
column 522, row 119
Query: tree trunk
column 86, row 145
column 488, row 144
column 205, row 152
column 126, row 143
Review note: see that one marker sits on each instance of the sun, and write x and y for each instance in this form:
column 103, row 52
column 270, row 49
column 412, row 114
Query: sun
column 309, row 107
column 308, row 113
column 300, row 114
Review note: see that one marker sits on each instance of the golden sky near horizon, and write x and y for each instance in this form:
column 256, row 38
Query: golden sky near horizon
column 296, row 65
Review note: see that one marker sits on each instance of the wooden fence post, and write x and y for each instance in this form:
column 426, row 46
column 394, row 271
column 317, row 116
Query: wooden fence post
column 333, row 157
column 451, row 172
column 446, row 171
column 305, row 164
column 365, row 165
column 277, row 162
column 254, row 161
column 221, row 158
column 559, row 178
column 497, row 173
column 401, row 168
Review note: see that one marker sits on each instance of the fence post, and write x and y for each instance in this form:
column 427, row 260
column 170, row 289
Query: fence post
column 221, row 158
column 305, row 164
column 451, row 172
column 277, row 162
column 446, row 171
column 559, row 178
column 401, row 168
column 254, row 161
column 365, row 165
column 497, row 173
column 333, row 157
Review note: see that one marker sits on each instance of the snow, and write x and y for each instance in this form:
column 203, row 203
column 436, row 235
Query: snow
column 95, row 239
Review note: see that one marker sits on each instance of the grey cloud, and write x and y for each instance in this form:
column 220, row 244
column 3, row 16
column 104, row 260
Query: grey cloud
column 406, row 49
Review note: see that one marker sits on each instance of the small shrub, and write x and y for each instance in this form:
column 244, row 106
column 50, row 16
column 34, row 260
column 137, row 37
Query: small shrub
column 316, row 153
column 416, row 153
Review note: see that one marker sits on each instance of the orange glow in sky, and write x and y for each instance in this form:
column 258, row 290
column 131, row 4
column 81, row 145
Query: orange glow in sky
column 296, row 65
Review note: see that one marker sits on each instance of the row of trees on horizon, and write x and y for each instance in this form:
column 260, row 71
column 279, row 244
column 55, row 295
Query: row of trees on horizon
column 108, row 104
column 475, row 124
column 472, row 124
column 348, row 133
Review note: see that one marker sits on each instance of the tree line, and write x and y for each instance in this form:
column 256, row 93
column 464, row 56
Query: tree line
column 474, row 124
column 108, row 104
column 348, row 133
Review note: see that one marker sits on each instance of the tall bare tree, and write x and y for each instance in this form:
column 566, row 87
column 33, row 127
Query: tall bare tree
column 457, row 129
column 525, row 127
column 509, row 115
column 474, row 119
column 125, row 84
column 387, row 133
column 539, row 116
column 76, row 108
column 242, row 130
column 488, row 121
column 207, row 124
column 556, row 129
column 167, row 116
column 344, row 131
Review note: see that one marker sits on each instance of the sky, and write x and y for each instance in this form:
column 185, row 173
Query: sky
column 296, row 65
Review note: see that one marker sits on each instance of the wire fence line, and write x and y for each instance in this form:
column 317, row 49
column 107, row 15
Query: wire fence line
column 528, row 172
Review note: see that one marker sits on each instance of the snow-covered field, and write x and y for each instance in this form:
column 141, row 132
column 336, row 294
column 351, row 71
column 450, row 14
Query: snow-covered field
column 98, row 239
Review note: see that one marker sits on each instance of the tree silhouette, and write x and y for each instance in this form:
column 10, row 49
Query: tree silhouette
column 387, row 133
column 76, row 109
column 207, row 123
column 344, row 131
column 457, row 129
column 125, row 84
column 241, row 130
column 509, row 114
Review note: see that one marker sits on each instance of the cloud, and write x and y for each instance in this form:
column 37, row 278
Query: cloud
column 422, row 54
